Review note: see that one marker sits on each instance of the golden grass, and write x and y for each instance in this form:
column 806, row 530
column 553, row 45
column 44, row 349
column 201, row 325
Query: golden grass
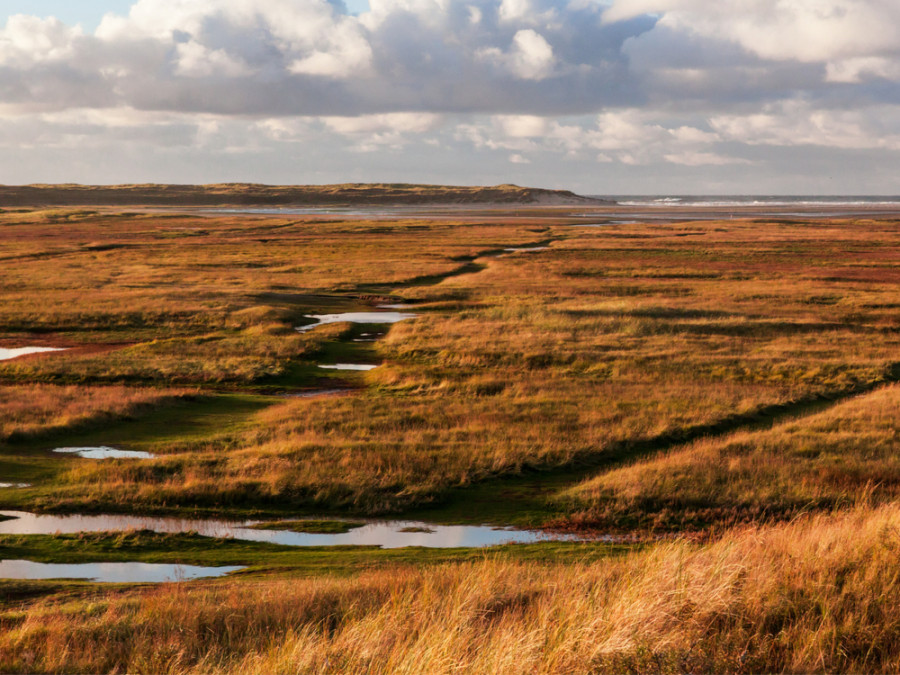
column 825, row 460
column 615, row 336
column 30, row 409
column 192, row 299
column 816, row 595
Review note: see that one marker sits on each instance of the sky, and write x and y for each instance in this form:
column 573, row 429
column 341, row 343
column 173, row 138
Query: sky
column 598, row 96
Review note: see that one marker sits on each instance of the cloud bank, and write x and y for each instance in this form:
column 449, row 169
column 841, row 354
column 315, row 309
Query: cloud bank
column 588, row 92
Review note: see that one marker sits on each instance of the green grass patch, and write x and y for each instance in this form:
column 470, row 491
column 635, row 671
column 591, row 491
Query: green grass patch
column 179, row 423
column 263, row 558
column 311, row 526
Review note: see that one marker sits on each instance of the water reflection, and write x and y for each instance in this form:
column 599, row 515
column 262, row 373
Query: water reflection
column 386, row 534
column 355, row 317
column 113, row 573
column 104, row 452
column 6, row 354
column 351, row 366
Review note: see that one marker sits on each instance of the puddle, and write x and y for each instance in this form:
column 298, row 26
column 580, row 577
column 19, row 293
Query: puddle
column 400, row 534
column 368, row 337
column 368, row 212
column 104, row 452
column 386, row 534
column 7, row 354
column 527, row 249
column 609, row 222
column 356, row 317
column 30, row 523
column 350, row 366
column 4, row 486
column 112, row 573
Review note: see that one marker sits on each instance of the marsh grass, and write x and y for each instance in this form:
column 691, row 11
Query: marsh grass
column 311, row 526
column 183, row 296
column 824, row 461
column 581, row 369
column 606, row 341
column 30, row 410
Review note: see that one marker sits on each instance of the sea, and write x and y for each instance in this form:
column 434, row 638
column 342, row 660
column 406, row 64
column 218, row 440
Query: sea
column 749, row 201
column 673, row 208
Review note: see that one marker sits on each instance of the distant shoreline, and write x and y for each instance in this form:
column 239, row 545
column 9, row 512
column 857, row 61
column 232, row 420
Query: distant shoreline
column 243, row 194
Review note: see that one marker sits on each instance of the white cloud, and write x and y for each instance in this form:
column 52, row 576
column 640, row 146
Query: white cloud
column 523, row 126
column 371, row 132
column 292, row 57
column 530, row 57
column 802, row 30
column 632, row 137
column 514, row 10
column 796, row 123
column 310, row 36
column 195, row 60
column 691, row 158
column 27, row 40
column 856, row 70
column 391, row 122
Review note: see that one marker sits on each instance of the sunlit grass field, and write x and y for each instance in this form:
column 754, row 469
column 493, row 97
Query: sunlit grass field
column 720, row 392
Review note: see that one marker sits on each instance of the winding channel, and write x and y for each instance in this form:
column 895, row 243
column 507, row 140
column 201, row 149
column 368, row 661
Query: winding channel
column 383, row 533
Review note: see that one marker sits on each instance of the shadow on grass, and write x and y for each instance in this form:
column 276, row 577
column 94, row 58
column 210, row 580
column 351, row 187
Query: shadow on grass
column 525, row 500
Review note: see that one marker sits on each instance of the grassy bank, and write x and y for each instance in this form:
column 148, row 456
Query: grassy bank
column 827, row 460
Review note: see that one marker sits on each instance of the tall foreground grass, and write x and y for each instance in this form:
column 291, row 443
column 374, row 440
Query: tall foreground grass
column 817, row 595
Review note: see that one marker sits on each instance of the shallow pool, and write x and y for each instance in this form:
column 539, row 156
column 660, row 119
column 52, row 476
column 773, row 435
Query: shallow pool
column 386, row 534
column 104, row 452
column 7, row 354
column 350, row 366
column 356, row 317
column 113, row 573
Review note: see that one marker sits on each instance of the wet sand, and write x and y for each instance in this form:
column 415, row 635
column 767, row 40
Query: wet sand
column 596, row 215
